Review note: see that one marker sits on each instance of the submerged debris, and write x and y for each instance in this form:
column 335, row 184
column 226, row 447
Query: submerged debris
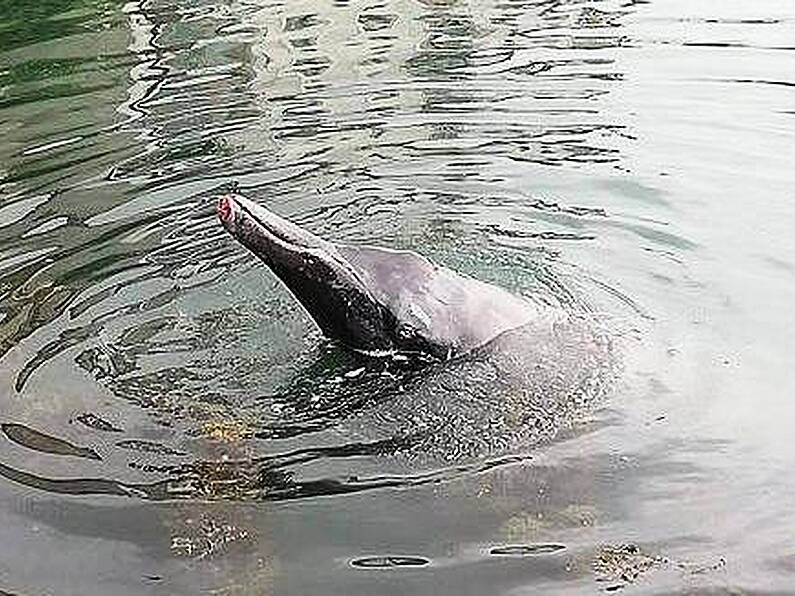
column 622, row 564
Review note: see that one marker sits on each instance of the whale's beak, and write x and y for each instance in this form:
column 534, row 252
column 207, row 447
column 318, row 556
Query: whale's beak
column 322, row 280
column 261, row 230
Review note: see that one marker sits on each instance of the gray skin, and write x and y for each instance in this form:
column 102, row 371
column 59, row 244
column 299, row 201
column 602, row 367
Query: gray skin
column 376, row 300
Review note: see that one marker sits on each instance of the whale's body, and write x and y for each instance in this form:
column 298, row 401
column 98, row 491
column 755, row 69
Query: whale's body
column 374, row 299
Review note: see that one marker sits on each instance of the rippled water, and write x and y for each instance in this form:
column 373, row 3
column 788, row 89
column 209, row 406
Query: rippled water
column 173, row 423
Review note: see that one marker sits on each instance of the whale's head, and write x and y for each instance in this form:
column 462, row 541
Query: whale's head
column 315, row 271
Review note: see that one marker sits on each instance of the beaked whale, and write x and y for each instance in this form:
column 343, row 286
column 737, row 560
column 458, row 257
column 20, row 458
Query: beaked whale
column 377, row 300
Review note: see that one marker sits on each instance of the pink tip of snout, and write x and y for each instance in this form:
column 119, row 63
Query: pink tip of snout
column 225, row 208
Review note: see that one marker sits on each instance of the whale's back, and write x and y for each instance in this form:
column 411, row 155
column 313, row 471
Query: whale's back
column 454, row 312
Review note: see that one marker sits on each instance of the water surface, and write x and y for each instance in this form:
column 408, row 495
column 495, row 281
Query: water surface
column 171, row 421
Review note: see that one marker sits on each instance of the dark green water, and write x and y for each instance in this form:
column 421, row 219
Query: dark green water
column 172, row 423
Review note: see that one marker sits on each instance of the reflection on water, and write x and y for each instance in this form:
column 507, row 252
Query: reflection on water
column 598, row 156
